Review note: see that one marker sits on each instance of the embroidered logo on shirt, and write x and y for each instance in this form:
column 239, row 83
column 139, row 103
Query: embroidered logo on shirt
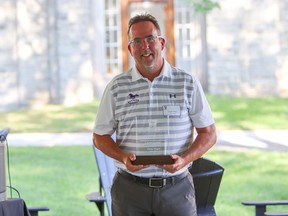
column 172, row 95
column 133, row 98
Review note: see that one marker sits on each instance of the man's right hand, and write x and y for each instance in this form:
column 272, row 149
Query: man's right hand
column 128, row 163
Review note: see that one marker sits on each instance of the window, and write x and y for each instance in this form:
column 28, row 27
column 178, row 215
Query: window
column 113, row 44
column 184, row 33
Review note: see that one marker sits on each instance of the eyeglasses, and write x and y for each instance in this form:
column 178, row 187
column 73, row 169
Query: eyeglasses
column 137, row 42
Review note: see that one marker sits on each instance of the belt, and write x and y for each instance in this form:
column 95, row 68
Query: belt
column 155, row 182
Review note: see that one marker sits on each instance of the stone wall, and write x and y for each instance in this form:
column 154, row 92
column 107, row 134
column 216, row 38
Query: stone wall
column 45, row 51
column 74, row 51
column 8, row 55
column 52, row 51
column 247, row 48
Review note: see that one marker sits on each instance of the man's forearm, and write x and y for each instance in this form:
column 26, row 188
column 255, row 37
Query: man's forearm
column 205, row 139
column 107, row 145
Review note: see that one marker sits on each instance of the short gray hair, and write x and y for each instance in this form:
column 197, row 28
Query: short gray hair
column 141, row 18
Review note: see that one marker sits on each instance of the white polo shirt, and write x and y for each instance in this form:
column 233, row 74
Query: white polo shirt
column 153, row 118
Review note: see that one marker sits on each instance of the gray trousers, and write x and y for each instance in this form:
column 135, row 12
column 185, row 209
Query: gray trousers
column 130, row 198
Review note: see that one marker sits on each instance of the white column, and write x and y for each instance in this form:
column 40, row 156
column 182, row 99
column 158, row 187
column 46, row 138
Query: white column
column 98, row 45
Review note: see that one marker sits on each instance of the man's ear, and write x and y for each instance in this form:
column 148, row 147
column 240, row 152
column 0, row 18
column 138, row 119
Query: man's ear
column 163, row 42
column 129, row 48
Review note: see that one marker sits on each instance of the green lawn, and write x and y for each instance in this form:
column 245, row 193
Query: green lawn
column 249, row 113
column 51, row 118
column 230, row 113
column 60, row 177
column 56, row 177
column 248, row 176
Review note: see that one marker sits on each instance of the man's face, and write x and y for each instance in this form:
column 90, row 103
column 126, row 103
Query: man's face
column 146, row 47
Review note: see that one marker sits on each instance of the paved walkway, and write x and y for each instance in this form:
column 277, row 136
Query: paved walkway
column 268, row 140
column 233, row 140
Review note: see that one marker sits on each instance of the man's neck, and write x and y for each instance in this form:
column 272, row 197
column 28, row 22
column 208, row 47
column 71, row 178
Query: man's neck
column 151, row 74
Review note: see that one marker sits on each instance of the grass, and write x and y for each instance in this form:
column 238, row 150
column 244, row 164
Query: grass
column 51, row 118
column 248, row 176
column 60, row 177
column 249, row 113
column 57, row 177
column 230, row 113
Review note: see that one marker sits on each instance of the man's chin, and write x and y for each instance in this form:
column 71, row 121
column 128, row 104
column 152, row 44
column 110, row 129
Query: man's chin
column 149, row 68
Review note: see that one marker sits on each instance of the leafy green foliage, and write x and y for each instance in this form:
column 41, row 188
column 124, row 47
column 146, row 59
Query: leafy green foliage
column 203, row 6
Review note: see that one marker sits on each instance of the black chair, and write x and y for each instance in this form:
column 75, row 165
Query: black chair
column 207, row 176
column 34, row 211
column 276, row 214
column 260, row 206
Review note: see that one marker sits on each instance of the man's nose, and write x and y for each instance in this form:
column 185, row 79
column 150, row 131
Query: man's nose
column 144, row 43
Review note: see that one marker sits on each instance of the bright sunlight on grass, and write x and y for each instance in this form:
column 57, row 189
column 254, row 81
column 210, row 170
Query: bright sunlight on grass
column 230, row 113
column 249, row 113
column 51, row 118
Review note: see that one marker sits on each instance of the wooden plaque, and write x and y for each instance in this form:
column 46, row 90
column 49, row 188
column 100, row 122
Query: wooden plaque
column 155, row 159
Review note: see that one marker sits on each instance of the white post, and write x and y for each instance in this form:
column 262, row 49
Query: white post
column 3, row 135
column 98, row 45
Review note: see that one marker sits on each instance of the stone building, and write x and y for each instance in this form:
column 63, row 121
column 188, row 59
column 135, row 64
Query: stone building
column 65, row 52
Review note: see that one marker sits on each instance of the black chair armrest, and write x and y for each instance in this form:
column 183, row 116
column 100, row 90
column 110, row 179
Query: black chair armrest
column 34, row 210
column 260, row 206
column 266, row 202
column 208, row 173
column 276, row 213
column 95, row 197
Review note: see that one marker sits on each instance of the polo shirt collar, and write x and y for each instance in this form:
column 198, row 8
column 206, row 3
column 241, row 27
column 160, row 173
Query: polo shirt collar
column 166, row 71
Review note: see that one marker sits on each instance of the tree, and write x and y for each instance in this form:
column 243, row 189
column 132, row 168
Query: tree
column 203, row 6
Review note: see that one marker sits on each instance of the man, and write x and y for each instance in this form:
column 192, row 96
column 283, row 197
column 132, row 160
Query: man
column 153, row 108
